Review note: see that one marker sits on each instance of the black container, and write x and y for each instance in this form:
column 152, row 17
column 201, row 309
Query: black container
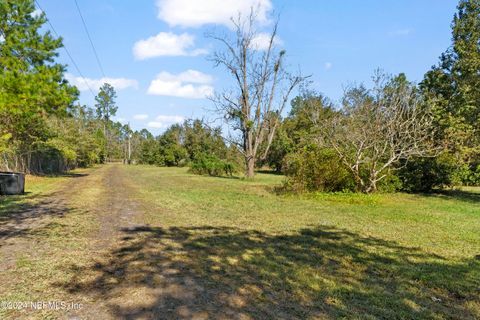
column 12, row 183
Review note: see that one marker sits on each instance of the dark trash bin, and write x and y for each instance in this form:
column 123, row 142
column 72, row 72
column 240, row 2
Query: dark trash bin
column 12, row 183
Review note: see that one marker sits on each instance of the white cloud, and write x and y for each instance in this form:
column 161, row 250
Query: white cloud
column 189, row 84
column 195, row 13
column 84, row 84
column 140, row 117
column 166, row 44
column 328, row 65
column 401, row 32
column 163, row 121
column 262, row 40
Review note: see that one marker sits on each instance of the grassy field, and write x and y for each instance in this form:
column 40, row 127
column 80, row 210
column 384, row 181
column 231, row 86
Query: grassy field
column 203, row 247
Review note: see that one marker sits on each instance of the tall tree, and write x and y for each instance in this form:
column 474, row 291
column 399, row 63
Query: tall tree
column 261, row 86
column 32, row 85
column 451, row 87
column 106, row 109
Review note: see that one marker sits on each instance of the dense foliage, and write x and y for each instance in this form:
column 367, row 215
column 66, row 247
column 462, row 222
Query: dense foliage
column 32, row 87
column 394, row 136
column 192, row 143
column 451, row 88
column 42, row 128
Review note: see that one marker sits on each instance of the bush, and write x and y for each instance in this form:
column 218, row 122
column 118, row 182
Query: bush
column 317, row 169
column 426, row 174
column 391, row 183
column 211, row 165
column 468, row 175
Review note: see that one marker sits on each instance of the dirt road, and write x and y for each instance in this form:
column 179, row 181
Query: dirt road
column 85, row 251
column 53, row 244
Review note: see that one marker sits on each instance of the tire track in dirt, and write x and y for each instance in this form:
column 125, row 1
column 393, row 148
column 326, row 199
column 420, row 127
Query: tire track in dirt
column 117, row 208
column 116, row 211
column 105, row 197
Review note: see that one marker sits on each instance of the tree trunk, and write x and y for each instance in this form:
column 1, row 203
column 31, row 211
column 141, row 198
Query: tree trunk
column 250, row 167
column 372, row 188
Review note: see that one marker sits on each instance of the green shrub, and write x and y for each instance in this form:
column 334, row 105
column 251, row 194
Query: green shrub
column 391, row 183
column 468, row 175
column 211, row 165
column 426, row 174
column 316, row 169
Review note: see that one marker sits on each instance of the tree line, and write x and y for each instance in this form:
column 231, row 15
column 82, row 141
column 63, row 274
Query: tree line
column 394, row 135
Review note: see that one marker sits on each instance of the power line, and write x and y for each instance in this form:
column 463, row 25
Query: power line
column 90, row 39
column 66, row 50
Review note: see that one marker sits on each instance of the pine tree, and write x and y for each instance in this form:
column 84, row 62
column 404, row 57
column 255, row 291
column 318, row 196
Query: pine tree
column 452, row 87
column 106, row 109
column 32, row 86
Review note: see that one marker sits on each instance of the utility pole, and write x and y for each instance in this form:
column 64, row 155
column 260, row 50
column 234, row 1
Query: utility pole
column 129, row 148
column 129, row 136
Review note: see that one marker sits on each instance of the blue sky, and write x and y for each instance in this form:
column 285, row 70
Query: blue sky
column 155, row 52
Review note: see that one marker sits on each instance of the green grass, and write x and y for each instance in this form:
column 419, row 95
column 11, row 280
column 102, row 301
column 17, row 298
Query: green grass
column 233, row 248
column 50, row 234
column 446, row 224
column 326, row 255
column 35, row 186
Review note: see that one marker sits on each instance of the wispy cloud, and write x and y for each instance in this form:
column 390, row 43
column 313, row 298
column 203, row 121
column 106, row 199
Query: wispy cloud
column 84, row 84
column 166, row 44
column 189, row 84
column 262, row 41
column 140, row 117
column 195, row 13
column 164, row 121
column 401, row 32
column 328, row 65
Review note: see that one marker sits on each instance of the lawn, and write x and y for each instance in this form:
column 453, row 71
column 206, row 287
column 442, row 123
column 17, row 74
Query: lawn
column 230, row 248
column 342, row 255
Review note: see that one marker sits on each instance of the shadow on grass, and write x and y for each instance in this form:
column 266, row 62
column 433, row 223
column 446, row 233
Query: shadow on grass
column 459, row 195
column 64, row 175
column 272, row 172
column 20, row 215
column 228, row 177
column 225, row 273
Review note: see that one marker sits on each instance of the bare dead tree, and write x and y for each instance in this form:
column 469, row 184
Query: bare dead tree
column 261, row 87
column 378, row 128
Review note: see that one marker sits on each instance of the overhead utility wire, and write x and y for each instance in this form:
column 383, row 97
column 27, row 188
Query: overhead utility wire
column 66, row 50
column 90, row 38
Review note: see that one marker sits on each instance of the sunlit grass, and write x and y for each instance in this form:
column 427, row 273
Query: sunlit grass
column 231, row 246
column 333, row 255
column 439, row 223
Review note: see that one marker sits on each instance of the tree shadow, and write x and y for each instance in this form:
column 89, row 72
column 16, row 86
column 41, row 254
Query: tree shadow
column 18, row 218
column 459, row 195
column 64, row 175
column 228, row 273
column 20, row 215
column 270, row 171
column 232, row 177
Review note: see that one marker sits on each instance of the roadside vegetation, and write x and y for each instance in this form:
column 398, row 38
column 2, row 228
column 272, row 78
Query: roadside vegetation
column 395, row 136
